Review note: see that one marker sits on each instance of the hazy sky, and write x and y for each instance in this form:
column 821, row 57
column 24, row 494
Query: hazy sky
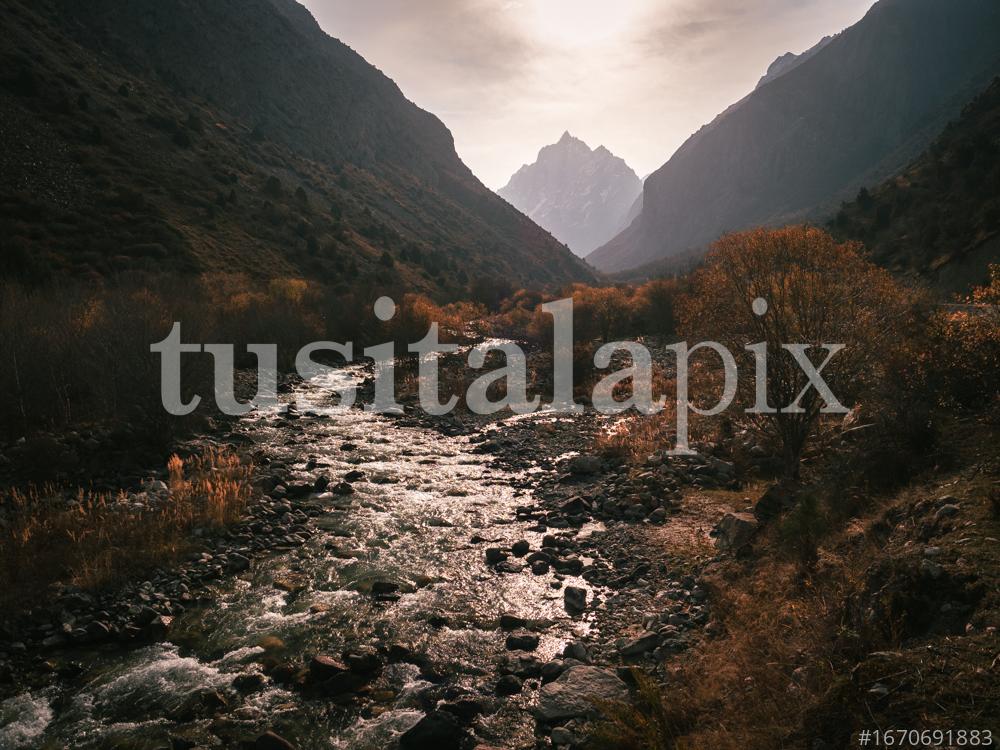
column 638, row 76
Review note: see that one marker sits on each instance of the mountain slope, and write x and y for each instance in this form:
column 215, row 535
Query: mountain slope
column 855, row 112
column 235, row 135
column 582, row 196
column 940, row 218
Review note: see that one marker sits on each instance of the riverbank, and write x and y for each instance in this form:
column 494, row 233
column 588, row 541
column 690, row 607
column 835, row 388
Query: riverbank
column 478, row 547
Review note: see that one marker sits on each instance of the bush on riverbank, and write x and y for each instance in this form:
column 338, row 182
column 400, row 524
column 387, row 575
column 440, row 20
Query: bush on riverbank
column 76, row 355
column 92, row 540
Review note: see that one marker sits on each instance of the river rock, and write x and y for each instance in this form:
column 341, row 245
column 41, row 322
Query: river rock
column 438, row 730
column 324, row 667
column 363, row 661
column 584, row 465
column 509, row 684
column 236, row 563
column 522, row 641
column 641, row 645
column 576, row 650
column 575, row 599
column 512, row 622
column 573, row 694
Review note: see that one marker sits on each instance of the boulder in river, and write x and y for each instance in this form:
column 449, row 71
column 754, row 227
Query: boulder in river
column 522, row 641
column 324, row 667
column 576, row 692
column 438, row 730
column 575, row 599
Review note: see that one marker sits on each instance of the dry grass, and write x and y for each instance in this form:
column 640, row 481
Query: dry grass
column 791, row 635
column 750, row 687
column 635, row 437
column 96, row 540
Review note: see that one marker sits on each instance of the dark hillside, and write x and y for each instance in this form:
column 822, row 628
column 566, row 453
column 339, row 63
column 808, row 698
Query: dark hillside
column 940, row 218
column 235, row 136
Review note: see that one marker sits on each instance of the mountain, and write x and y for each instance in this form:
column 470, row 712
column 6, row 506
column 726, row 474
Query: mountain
column 582, row 196
column 855, row 112
column 234, row 135
column 940, row 218
column 790, row 61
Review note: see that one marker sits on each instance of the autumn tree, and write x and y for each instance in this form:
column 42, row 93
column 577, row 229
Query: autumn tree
column 818, row 293
column 600, row 312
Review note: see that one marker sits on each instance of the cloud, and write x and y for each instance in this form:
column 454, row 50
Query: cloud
column 638, row 76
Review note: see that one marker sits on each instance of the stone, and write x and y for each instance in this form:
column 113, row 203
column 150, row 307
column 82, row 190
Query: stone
column 576, row 650
column 324, row 667
column 495, row 555
column 384, row 587
column 522, row 641
column 575, row 599
column 438, row 730
column 512, row 622
column 562, row 737
column 552, row 669
column 98, row 631
column 641, row 645
column 584, row 465
column 363, row 661
column 158, row 629
column 509, row 684
column 521, row 548
column 466, row 709
column 575, row 692
column 343, row 489
column 236, row 563
column 248, row 683
column 734, row 531
column 931, row 568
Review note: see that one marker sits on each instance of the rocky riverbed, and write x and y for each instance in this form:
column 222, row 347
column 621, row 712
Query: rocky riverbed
column 399, row 580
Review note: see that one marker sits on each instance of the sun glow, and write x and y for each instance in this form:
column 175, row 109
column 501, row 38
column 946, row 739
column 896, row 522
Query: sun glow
column 578, row 23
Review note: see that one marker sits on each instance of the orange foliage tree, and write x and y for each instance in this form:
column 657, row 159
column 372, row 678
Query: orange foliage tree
column 818, row 292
